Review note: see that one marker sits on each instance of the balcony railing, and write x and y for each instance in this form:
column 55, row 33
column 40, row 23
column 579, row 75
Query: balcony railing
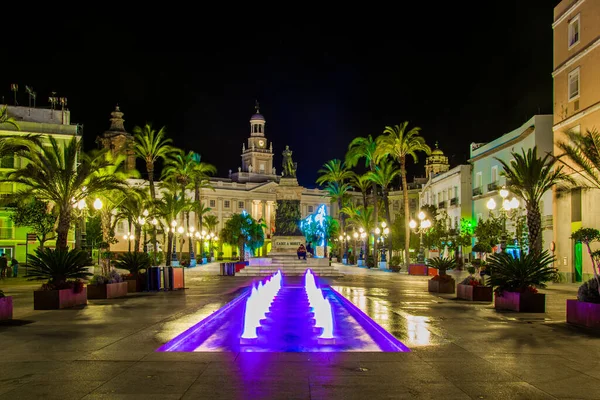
column 442, row 204
column 454, row 201
column 477, row 191
column 493, row 186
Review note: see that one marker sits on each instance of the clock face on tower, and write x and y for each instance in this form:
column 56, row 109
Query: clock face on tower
column 261, row 143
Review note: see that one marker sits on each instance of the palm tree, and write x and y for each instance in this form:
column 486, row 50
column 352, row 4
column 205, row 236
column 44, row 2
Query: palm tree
column 335, row 175
column 211, row 221
column 151, row 145
column 364, row 147
column 59, row 177
column 529, row 177
column 201, row 173
column 169, row 207
column 6, row 119
column 362, row 183
column 400, row 144
column 383, row 176
column 584, row 151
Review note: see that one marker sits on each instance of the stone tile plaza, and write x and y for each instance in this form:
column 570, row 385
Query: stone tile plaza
column 416, row 247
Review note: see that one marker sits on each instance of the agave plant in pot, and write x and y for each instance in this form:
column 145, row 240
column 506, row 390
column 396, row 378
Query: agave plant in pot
column 107, row 287
column 516, row 280
column 585, row 310
column 6, row 307
column 442, row 282
column 137, row 264
column 64, row 271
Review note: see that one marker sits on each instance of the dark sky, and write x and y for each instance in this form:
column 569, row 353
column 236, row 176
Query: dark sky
column 460, row 71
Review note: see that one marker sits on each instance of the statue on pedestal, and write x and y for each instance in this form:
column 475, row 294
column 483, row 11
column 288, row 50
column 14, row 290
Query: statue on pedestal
column 289, row 167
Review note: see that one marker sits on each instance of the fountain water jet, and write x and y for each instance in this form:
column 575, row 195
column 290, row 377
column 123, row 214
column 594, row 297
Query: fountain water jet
column 321, row 309
column 257, row 306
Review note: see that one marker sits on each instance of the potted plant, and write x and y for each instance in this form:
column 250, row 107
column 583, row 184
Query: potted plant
column 107, row 287
column 137, row 264
column 6, row 307
column 220, row 256
column 442, row 283
column 516, row 280
column 395, row 264
column 234, row 255
column 63, row 269
column 473, row 289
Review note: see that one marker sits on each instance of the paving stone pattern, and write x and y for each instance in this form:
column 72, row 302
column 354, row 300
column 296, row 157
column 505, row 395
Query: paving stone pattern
column 460, row 350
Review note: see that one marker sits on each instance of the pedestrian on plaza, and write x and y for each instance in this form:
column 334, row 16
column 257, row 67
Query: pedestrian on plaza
column 301, row 252
column 3, row 265
column 15, row 267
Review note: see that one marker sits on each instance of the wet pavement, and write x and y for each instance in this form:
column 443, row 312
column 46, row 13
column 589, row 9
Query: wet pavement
column 460, row 350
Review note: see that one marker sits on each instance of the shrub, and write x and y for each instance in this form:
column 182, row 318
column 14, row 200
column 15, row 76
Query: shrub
column 588, row 292
column 62, row 268
column 134, row 262
column 521, row 274
column 442, row 264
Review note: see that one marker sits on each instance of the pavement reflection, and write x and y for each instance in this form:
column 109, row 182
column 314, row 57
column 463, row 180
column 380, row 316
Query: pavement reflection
column 412, row 330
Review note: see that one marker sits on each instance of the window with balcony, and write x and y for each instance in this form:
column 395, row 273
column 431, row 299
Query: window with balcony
column 574, row 84
column 478, row 184
column 574, row 31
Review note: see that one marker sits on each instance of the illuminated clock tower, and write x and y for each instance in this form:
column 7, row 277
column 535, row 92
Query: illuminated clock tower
column 257, row 154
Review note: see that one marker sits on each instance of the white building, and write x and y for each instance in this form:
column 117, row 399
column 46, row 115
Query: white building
column 486, row 172
column 450, row 192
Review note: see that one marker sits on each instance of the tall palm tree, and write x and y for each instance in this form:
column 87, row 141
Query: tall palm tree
column 383, row 176
column 361, row 217
column 364, row 147
column 211, row 221
column 362, row 183
column 400, row 144
column 583, row 149
column 150, row 146
column 169, row 208
column 529, row 177
column 335, row 176
column 6, row 119
column 201, row 173
column 62, row 176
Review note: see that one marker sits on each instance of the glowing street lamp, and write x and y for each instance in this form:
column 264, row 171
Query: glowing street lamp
column 424, row 224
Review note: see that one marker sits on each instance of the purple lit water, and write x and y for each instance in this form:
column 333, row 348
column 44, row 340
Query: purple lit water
column 288, row 327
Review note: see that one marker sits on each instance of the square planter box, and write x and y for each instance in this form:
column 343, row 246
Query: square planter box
column 57, row 299
column 107, row 290
column 442, row 286
column 421, row 269
column 521, row 302
column 582, row 313
column 6, row 308
column 475, row 293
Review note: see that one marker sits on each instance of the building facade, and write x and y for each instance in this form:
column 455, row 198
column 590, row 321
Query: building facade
column 117, row 139
column 31, row 121
column 450, row 193
column 486, row 170
column 252, row 189
column 576, row 74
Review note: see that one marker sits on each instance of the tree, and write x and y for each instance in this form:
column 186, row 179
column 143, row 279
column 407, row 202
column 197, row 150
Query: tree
column 62, row 176
column 93, row 231
column 383, row 176
column 365, row 147
column 529, row 177
column 583, row 149
column 242, row 231
column 6, row 119
column 35, row 214
column 151, row 146
column 400, row 144
column 488, row 233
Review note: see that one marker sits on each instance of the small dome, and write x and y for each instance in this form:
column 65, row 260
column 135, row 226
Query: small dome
column 437, row 151
column 257, row 117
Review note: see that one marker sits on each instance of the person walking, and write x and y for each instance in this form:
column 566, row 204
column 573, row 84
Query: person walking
column 3, row 265
column 15, row 267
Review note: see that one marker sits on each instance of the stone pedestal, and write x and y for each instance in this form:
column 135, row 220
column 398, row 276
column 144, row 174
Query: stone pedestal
column 286, row 244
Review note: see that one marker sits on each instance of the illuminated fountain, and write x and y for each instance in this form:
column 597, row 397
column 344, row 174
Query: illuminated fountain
column 321, row 308
column 258, row 305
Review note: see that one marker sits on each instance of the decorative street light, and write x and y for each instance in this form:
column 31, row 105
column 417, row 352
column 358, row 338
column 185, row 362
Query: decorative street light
column 424, row 224
column 507, row 207
column 381, row 235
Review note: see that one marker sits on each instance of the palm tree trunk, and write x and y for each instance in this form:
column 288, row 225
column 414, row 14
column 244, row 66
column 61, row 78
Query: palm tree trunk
column 534, row 224
column 138, row 236
column 386, row 205
column 169, row 249
column 342, row 228
column 375, row 200
column 62, row 229
column 406, row 212
column 187, row 221
column 150, row 169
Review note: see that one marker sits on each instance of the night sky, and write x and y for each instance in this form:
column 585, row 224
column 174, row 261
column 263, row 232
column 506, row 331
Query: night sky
column 462, row 72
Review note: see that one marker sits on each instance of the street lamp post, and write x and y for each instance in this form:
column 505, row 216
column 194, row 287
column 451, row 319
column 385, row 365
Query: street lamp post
column 507, row 207
column 174, row 260
column 381, row 235
column 181, row 231
column 355, row 236
column 424, row 224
